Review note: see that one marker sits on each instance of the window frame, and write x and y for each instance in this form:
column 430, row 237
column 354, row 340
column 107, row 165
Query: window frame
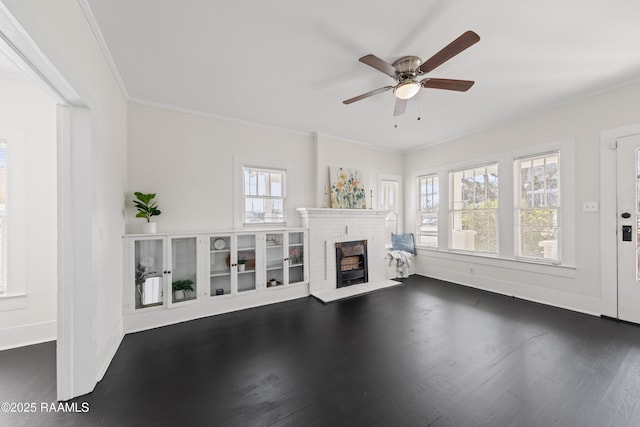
column 517, row 189
column 434, row 210
column 244, row 195
column 452, row 210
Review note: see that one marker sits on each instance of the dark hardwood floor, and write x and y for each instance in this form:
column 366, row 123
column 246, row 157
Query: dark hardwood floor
column 428, row 353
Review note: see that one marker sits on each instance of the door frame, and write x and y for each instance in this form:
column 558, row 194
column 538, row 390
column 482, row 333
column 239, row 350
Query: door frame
column 609, row 217
column 77, row 293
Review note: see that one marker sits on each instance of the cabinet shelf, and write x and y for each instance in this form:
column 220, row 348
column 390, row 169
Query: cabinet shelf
column 220, row 251
column 296, row 265
column 220, row 273
column 247, row 271
column 274, row 267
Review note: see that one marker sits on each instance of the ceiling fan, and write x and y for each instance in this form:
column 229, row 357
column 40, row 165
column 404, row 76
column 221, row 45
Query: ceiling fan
column 406, row 69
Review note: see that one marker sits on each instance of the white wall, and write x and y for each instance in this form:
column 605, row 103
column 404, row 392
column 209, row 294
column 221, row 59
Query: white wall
column 580, row 123
column 32, row 237
column 191, row 162
column 61, row 30
column 332, row 151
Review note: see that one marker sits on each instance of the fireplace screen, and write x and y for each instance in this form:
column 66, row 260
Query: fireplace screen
column 351, row 263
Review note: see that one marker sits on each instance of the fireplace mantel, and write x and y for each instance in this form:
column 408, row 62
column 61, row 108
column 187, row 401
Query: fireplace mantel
column 330, row 226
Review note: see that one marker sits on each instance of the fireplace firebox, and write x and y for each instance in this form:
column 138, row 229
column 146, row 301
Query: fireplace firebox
column 351, row 263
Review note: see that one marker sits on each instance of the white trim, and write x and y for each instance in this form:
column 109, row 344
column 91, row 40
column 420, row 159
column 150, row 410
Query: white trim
column 10, row 302
column 182, row 110
column 91, row 19
column 34, row 333
column 608, row 217
column 20, row 47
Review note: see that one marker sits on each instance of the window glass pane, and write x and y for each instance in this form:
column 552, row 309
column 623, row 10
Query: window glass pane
column 428, row 204
column 538, row 207
column 264, row 196
column 262, row 183
column 276, row 184
column 474, row 195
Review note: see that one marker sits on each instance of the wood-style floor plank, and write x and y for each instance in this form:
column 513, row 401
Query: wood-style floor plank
column 427, row 353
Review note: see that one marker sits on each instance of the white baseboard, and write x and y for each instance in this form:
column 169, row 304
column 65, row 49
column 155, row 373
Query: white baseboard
column 21, row 336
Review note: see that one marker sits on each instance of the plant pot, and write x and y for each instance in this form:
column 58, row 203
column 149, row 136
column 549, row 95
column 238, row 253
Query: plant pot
column 178, row 295
column 149, row 227
column 241, row 267
column 272, row 283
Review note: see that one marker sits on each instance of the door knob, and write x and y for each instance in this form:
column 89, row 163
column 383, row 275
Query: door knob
column 626, row 215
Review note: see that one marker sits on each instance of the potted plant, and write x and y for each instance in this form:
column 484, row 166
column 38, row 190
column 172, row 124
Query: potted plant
column 179, row 286
column 273, row 282
column 241, row 264
column 147, row 207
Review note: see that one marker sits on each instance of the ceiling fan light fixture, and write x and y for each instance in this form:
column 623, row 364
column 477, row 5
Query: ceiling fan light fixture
column 407, row 89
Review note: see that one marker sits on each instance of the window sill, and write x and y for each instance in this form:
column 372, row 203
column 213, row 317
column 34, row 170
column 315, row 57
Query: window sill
column 15, row 301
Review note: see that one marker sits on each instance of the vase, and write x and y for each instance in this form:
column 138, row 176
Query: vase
column 241, row 267
column 178, row 295
column 149, row 227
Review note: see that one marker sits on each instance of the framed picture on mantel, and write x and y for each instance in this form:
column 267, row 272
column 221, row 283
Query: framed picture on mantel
column 347, row 188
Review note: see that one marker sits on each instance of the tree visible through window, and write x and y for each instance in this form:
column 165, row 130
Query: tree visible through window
column 474, row 209
column 264, row 195
column 538, row 198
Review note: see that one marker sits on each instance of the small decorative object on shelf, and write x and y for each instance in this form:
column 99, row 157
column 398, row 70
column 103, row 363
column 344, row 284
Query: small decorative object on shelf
column 273, row 282
column 241, row 264
column 219, row 291
column 147, row 208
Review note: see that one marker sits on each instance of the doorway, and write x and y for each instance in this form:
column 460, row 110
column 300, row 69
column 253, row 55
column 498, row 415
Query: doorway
column 628, row 215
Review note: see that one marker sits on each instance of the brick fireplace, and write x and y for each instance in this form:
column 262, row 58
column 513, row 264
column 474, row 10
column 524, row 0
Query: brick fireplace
column 328, row 227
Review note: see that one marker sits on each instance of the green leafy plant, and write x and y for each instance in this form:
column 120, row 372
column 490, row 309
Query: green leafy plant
column 242, row 261
column 182, row 285
column 146, row 206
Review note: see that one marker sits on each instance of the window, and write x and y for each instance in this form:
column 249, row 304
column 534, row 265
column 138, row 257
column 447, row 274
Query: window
column 474, row 209
column 538, row 206
column 389, row 192
column 428, row 202
column 3, row 217
column 263, row 196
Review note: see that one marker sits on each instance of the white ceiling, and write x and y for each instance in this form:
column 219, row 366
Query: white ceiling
column 291, row 63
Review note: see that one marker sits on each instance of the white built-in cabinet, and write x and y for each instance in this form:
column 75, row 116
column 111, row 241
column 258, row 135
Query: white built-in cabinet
column 224, row 269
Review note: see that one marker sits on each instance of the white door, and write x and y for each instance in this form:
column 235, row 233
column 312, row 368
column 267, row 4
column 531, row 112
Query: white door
column 628, row 190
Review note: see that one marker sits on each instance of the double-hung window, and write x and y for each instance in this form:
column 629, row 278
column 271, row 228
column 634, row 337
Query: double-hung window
column 473, row 196
column 538, row 206
column 263, row 196
column 428, row 203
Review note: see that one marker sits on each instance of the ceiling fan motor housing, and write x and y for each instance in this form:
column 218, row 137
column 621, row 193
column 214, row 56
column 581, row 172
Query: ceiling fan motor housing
column 407, row 67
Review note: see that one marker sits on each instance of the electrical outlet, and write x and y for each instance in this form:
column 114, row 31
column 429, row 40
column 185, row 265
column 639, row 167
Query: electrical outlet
column 590, row 207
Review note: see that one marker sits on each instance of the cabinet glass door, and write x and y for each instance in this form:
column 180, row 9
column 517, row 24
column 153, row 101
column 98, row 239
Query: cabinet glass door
column 220, row 265
column 246, row 250
column 275, row 259
column 148, row 259
column 296, row 256
column 183, row 269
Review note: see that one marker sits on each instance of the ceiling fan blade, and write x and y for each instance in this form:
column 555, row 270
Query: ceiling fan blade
column 447, row 84
column 378, row 64
column 401, row 106
column 368, row 94
column 466, row 40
